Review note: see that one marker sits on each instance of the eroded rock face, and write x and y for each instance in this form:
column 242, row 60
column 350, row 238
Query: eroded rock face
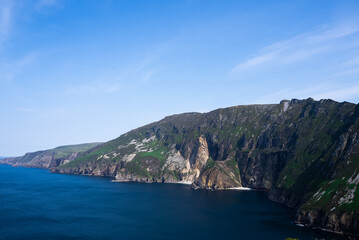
column 222, row 175
column 174, row 168
column 200, row 156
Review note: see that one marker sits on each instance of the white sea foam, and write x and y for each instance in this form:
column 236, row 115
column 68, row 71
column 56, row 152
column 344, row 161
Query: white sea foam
column 184, row 182
column 239, row 188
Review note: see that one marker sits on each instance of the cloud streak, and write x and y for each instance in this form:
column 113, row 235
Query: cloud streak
column 92, row 88
column 6, row 12
column 298, row 48
column 340, row 94
column 324, row 90
column 42, row 4
column 9, row 70
column 27, row 110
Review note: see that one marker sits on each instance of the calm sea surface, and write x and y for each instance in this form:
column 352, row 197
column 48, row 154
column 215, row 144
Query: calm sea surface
column 36, row 204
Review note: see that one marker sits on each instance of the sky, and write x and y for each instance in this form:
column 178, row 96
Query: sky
column 88, row 71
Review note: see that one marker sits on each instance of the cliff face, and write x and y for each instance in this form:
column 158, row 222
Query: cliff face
column 305, row 153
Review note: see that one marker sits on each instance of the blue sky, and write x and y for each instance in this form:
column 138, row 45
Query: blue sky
column 85, row 71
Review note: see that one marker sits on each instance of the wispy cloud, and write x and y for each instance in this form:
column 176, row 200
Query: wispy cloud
column 146, row 77
column 9, row 69
column 6, row 12
column 255, row 61
column 333, row 33
column 298, row 48
column 27, row 110
column 91, row 88
column 340, row 94
column 144, row 69
column 323, row 90
column 132, row 75
column 43, row 4
column 137, row 73
column 346, row 72
column 354, row 61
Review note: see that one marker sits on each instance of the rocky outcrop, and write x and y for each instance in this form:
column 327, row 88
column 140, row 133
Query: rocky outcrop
column 340, row 222
column 199, row 156
column 221, row 175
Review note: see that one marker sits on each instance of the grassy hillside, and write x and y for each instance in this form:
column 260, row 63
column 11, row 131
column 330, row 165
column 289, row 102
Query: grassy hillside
column 64, row 151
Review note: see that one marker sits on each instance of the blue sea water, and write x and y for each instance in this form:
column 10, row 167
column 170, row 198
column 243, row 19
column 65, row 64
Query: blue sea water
column 37, row 204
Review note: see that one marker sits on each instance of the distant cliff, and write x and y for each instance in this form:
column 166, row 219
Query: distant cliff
column 304, row 153
column 50, row 158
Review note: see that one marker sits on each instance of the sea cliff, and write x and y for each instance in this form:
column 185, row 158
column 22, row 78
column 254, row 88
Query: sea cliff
column 304, row 153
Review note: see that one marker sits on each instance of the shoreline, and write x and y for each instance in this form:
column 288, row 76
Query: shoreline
column 185, row 183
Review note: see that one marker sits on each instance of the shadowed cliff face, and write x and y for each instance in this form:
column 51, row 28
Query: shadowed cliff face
column 305, row 153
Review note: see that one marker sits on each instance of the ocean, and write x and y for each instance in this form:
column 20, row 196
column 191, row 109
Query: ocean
column 37, row 204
